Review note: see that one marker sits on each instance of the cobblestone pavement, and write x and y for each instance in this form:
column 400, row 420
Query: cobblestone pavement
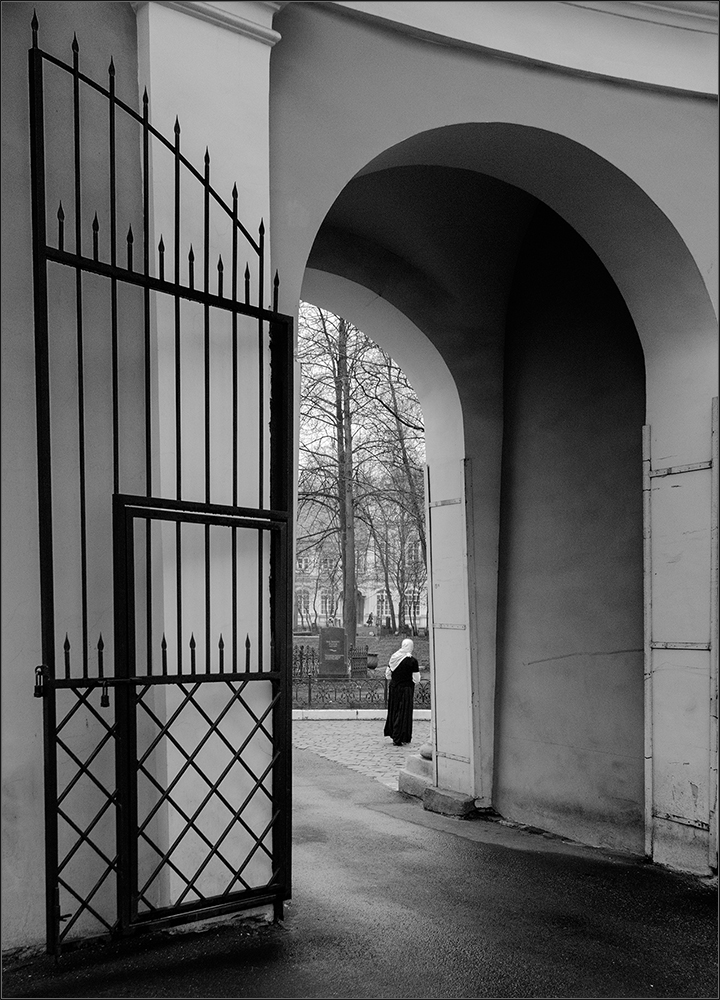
column 359, row 744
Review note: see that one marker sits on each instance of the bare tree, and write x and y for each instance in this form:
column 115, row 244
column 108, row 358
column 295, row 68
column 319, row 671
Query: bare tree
column 361, row 458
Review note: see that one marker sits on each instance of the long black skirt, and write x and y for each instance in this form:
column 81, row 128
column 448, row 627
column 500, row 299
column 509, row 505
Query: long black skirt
column 400, row 712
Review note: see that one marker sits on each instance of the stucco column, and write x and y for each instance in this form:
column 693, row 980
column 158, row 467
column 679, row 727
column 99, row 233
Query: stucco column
column 208, row 64
column 206, row 70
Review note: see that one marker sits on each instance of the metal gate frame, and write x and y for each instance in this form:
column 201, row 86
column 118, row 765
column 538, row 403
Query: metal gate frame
column 118, row 736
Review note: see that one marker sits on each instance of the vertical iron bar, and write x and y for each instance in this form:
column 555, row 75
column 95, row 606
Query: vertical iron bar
column 178, row 398
column 281, row 546
column 125, row 721
column 113, row 284
column 147, row 372
column 261, row 436
column 234, row 586
column 206, row 359
column 61, row 227
column 80, row 355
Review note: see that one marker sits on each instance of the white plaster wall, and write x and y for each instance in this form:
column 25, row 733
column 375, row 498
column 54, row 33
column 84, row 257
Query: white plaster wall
column 569, row 712
column 612, row 160
column 224, row 105
column 626, row 41
column 103, row 29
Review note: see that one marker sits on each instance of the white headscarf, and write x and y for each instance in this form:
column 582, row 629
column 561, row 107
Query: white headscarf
column 400, row 654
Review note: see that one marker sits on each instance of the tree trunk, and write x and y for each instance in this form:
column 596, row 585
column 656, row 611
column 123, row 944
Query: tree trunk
column 345, row 486
column 416, row 502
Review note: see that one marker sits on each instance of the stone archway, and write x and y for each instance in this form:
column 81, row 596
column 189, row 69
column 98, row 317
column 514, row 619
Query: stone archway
column 456, row 732
column 435, row 226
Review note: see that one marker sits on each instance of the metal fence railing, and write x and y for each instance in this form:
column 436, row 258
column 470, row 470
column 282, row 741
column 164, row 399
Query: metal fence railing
column 310, row 690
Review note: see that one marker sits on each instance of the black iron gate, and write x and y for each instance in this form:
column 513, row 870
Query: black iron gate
column 164, row 423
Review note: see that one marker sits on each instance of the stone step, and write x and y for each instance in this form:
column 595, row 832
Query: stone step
column 416, row 776
column 447, row 802
column 416, row 764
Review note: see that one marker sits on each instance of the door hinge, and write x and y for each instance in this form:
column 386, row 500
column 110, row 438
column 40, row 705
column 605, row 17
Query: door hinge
column 40, row 673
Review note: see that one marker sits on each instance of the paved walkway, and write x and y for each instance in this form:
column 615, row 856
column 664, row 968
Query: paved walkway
column 359, row 744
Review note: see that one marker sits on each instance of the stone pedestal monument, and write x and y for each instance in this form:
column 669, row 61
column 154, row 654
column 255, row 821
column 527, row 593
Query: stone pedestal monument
column 333, row 653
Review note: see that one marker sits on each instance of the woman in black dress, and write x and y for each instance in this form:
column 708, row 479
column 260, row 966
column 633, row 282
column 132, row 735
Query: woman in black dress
column 403, row 673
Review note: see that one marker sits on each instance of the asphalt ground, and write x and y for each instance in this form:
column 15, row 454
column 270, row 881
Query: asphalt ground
column 390, row 900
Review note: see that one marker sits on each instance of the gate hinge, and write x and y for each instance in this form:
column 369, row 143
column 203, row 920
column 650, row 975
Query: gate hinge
column 40, row 674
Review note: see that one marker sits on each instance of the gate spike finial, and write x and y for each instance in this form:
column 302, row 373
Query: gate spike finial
column 95, row 229
column 220, row 269
column 34, row 25
column 261, row 227
column 75, row 46
column 130, row 241
column 207, row 157
column 176, row 128
column 145, row 98
column 61, row 227
column 247, row 653
column 111, row 67
column 235, row 192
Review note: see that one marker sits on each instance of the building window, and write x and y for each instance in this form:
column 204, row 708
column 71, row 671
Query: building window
column 381, row 604
column 412, row 606
column 414, row 553
column 303, row 603
column 303, row 564
column 324, row 603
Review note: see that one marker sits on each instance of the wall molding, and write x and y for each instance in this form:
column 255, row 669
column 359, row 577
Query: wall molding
column 225, row 19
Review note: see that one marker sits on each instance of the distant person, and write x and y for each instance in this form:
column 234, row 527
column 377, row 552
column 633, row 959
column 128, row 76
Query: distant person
column 403, row 673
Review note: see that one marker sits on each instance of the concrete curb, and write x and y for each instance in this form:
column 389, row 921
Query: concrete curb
column 302, row 714
column 447, row 802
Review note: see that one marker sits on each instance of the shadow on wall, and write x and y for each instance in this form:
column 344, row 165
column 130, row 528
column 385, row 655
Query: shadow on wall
column 569, row 736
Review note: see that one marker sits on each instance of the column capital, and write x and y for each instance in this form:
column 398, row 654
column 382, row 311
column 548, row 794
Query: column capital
column 252, row 18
